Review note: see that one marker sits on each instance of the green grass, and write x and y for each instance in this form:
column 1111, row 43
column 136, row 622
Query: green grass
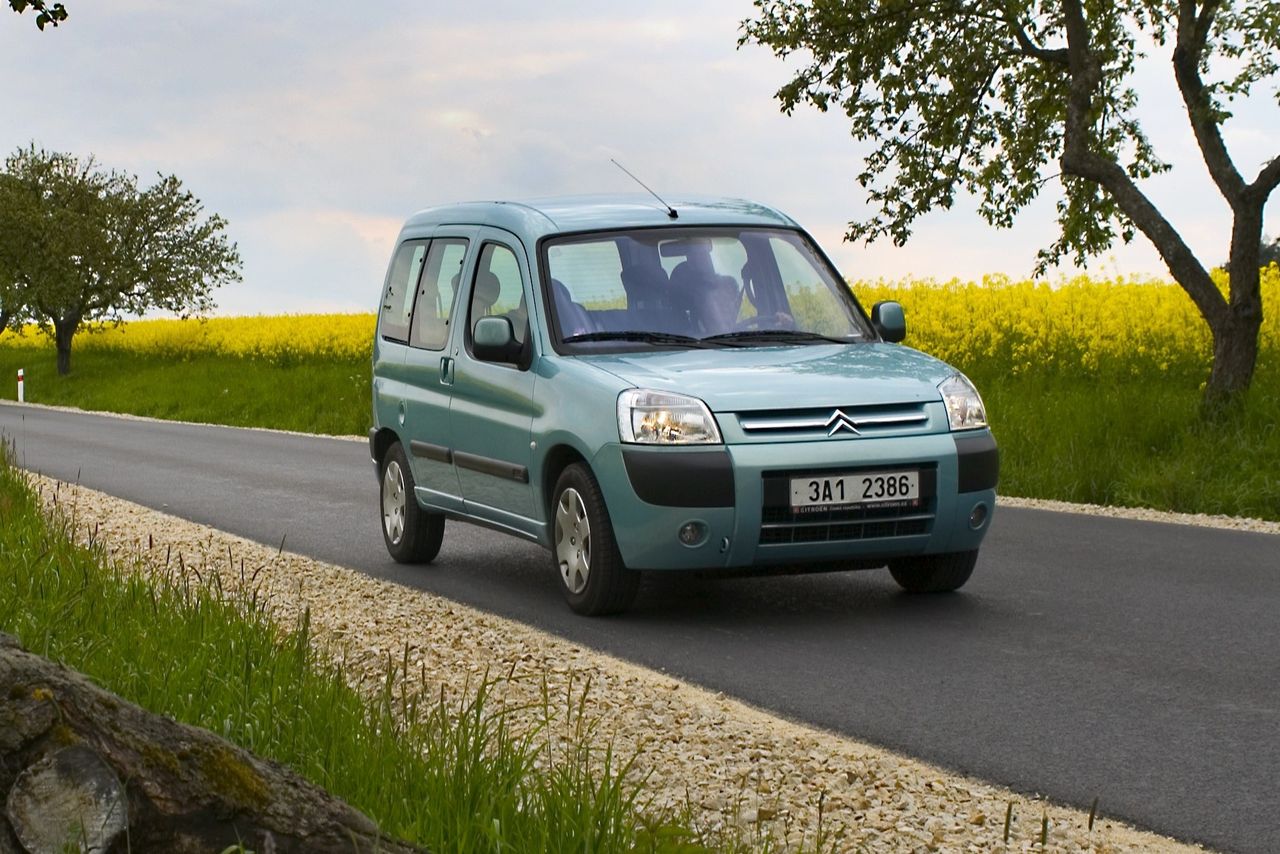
column 311, row 395
column 1133, row 441
column 452, row 776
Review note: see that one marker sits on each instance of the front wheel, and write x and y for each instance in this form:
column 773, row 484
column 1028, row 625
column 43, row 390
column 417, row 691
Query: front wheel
column 412, row 535
column 593, row 577
column 933, row 573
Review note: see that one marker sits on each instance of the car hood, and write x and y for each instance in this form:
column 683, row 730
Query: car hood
column 792, row 377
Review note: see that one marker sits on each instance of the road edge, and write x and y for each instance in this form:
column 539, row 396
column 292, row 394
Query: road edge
column 1051, row 505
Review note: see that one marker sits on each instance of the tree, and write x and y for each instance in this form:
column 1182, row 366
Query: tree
column 46, row 13
column 81, row 244
column 983, row 95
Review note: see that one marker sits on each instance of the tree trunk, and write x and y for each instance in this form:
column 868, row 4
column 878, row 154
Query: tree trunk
column 1235, row 337
column 79, row 764
column 1235, row 354
column 63, row 330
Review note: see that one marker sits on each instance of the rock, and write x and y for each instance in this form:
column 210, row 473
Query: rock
column 71, row 797
column 186, row 789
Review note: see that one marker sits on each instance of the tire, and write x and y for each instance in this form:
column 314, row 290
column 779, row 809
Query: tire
column 592, row 575
column 933, row 573
column 412, row 535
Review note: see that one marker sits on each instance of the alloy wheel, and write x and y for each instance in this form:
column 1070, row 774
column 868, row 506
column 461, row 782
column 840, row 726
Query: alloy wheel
column 393, row 502
column 573, row 540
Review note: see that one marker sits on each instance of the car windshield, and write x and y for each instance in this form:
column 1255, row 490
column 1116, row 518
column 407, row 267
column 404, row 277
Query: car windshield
column 696, row 287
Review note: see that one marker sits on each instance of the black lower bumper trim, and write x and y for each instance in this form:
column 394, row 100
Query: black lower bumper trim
column 979, row 462
column 671, row 478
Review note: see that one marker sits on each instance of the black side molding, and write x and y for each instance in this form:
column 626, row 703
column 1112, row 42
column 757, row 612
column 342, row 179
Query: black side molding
column 427, row 451
column 672, row 478
column 488, row 465
column 979, row 460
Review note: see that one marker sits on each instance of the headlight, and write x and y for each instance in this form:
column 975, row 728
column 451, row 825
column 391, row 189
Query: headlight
column 662, row 418
column 964, row 406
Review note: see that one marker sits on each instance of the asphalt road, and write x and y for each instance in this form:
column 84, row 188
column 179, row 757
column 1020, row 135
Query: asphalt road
column 1137, row 662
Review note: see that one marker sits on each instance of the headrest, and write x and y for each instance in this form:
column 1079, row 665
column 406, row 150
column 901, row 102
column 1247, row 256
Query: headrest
column 487, row 289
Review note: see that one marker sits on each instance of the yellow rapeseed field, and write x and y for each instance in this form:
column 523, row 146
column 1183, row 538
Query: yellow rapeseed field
column 276, row 338
column 1086, row 326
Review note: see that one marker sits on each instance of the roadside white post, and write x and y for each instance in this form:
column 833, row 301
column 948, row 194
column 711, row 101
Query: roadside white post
column 20, row 389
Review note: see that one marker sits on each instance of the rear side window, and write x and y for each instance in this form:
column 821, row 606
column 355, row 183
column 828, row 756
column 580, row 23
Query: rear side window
column 436, row 292
column 397, row 296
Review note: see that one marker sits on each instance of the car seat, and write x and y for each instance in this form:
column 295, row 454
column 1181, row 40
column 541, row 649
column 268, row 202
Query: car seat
column 647, row 287
column 573, row 318
column 711, row 301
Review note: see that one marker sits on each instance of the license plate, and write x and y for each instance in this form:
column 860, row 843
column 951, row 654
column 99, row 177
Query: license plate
column 877, row 487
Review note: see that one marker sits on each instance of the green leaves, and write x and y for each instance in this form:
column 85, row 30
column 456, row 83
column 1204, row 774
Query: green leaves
column 972, row 96
column 958, row 96
column 46, row 14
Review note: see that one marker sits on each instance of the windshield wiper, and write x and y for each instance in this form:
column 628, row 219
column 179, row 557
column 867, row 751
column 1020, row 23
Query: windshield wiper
column 637, row 335
column 777, row 335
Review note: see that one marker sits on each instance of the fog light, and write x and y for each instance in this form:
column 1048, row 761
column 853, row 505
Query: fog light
column 693, row 534
column 978, row 517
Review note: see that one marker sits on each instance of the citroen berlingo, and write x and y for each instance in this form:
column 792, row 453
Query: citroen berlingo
column 646, row 388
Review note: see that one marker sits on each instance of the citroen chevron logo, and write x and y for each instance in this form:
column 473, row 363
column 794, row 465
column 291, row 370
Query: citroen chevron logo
column 839, row 421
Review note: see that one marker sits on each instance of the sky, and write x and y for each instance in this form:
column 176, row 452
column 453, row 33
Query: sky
column 316, row 128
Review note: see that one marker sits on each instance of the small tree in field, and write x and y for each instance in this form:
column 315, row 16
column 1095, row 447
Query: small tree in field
column 1000, row 97
column 79, row 244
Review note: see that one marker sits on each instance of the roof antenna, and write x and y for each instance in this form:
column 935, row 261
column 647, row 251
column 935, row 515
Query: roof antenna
column 671, row 212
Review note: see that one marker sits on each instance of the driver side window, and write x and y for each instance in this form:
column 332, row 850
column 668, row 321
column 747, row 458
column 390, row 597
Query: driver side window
column 498, row 290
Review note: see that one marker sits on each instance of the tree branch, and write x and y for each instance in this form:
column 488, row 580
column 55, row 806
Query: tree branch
column 1080, row 160
column 1057, row 56
column 967, row 145
column 1193, row 33
column 1268, row 179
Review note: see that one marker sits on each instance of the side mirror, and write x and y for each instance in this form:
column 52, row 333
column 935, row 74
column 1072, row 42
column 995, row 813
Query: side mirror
column 495, row 340
column 889, row 321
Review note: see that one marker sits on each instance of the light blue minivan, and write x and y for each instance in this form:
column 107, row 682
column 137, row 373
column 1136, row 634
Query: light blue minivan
column 637, row 387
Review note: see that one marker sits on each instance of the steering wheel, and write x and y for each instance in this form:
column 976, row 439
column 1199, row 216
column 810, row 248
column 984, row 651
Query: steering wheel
column 780, row 320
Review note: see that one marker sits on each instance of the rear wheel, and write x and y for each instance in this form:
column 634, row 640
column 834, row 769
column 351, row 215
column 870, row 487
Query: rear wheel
column 593, row 577
column 933, row 573
column 412, row 535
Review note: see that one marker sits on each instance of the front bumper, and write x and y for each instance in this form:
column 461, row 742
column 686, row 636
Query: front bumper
column 652, row 492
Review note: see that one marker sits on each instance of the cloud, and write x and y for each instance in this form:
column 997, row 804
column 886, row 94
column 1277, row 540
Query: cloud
column 303, row 259
column 317, row 128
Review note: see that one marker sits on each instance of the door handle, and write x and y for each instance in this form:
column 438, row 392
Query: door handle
column 446, row 370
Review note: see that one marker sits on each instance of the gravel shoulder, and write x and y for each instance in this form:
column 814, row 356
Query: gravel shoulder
column 1200, row 520
column 729, row 761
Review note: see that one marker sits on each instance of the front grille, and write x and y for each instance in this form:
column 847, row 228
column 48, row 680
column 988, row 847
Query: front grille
column 849, row 421
column 822, row 532
column 779, row 525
